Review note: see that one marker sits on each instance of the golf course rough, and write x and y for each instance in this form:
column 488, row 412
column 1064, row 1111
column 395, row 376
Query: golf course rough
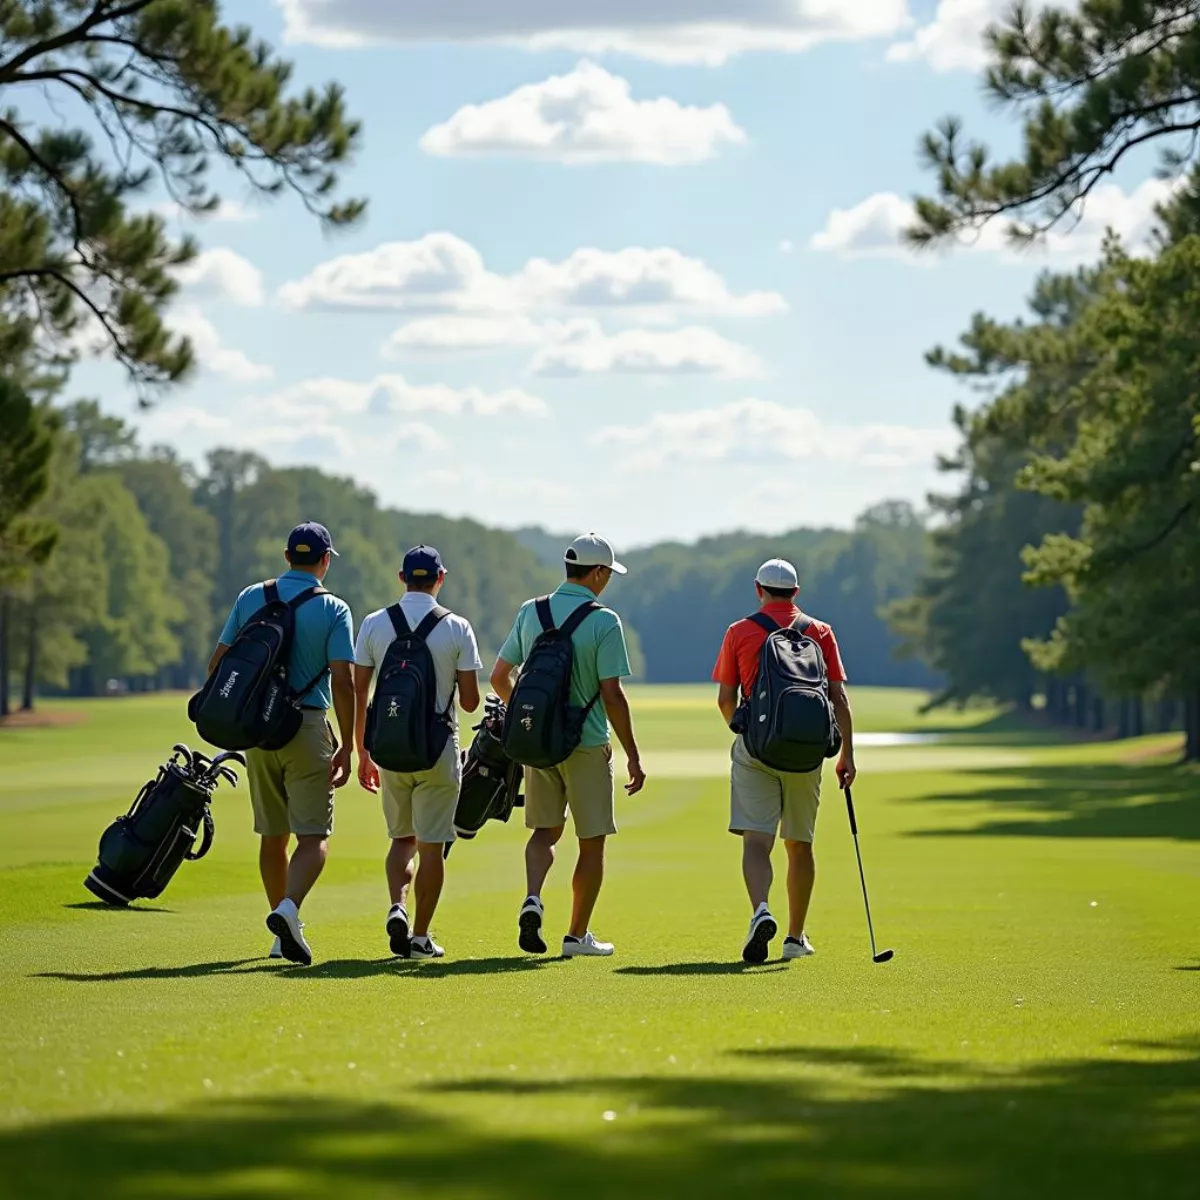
column 1038, row 1032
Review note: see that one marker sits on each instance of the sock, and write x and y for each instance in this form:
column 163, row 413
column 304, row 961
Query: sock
column 762, row 908
column 570, row 937
column 288, row 905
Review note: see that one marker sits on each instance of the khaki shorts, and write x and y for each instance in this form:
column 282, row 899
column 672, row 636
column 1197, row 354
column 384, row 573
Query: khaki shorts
column 763, row 800
column 422, row 804
column 584, row 784
column 289, row 788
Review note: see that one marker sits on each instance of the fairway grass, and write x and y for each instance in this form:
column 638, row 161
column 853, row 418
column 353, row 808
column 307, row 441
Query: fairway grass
column 1037, row 1034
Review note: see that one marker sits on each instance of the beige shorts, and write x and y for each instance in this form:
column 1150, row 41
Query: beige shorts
column 583, row 784
column 763, row 800
column 422, row 805
column 289, row 788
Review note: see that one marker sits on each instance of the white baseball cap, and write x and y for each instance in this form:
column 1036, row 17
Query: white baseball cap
column 591, row 550
column 778, row 573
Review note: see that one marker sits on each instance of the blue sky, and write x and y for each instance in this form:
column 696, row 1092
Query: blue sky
column 649, row 284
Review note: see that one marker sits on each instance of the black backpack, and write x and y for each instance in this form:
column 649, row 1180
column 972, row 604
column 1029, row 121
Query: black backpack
column 247, row 702
column 542, row 728
column 405, row 731
column 788, row 722
column 141, row 851
column 491, row 781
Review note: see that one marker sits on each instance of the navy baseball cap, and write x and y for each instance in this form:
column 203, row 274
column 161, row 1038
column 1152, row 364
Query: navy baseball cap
column 422, row 563
column 309, row 543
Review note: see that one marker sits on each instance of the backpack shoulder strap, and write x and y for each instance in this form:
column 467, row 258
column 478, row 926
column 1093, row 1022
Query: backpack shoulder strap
column 764, row 622
column 545, row 616
column 271, row 592
column 432, row 620
column 578, row 617
column 802, row 624
column 302, row 598
column 399, row 620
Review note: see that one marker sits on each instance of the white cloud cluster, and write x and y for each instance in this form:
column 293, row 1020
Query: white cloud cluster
column 393, row 394
column 583, row 348
column 441, row 273
column 588, row 116
column 223, row 274
column 874, row 228
column 754, row 431
column 677, row 31
column 211, row 353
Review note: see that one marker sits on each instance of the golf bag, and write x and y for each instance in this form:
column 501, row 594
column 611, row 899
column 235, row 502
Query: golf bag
column 542, row 727
column 141, row 851
column 247, row 701
column 788, row 721
column 491, row 781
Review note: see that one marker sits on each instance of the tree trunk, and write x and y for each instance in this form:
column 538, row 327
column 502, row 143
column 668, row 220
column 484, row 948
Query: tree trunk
column 1191, row 726
column 31, row 650
column 1098, row 714
column 1164, row 717
column 1124, row 718
column 5, row 621
column 1081, row 705
column 1137, row 717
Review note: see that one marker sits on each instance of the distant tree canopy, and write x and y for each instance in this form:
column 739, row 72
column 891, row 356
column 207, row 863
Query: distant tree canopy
column 163, row 91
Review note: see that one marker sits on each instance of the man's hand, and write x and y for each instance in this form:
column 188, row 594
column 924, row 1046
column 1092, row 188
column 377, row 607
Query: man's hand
column 339, row 767
column 368, row 773
column 847, row 772
column 637, row 777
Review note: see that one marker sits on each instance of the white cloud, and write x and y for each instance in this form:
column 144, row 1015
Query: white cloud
column 441, row 273
column 787, row 246
column 393, row 394
column 453, row 332
column 223, row 274
column 874, row 228
column 680, row 31
column 751, row 431
column 211, row 354
column 228, row 211
column 954, row 39
column 588, row 116
column 583, row 348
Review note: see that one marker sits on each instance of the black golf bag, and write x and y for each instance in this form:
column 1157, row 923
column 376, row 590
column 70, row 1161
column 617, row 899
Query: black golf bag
column 491, row 781
column 141, row 851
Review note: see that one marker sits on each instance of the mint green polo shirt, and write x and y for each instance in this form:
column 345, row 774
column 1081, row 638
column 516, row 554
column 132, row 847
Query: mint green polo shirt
column 599, row 645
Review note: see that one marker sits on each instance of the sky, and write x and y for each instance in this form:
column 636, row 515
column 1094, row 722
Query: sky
column 637, row 269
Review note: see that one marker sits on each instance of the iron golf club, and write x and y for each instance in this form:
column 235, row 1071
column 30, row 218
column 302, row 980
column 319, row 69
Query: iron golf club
column 880, row 956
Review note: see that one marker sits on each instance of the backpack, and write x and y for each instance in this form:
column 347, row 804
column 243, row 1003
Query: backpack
column 491, row 781
column 141, row 851
column 788, row 722
column 247, row 702
column 542, row 728
column 405, row 731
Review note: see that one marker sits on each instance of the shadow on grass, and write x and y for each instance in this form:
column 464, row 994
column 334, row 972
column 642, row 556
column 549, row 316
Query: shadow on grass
column 1111, row 800
column 858, row 1122
column 704, row 968
column 190, row 971
column 100, row 906
column 1009, row 728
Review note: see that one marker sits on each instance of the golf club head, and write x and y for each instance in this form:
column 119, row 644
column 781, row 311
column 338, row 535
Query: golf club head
column 227, row 755
column 884, row 956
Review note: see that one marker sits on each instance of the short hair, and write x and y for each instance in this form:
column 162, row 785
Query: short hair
column 779, row 593
column 579, row 570
column 305, row 560
column 420, row 585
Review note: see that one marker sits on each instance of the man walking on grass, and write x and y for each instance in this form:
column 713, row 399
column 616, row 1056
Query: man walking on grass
column 291, row 790
column 418, row 806
column 583, row 783
column 765, row 801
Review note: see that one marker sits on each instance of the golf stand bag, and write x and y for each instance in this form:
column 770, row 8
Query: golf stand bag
column 491, row 781
column 141, row 851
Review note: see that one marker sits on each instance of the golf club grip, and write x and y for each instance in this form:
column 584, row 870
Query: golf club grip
column 850, row 811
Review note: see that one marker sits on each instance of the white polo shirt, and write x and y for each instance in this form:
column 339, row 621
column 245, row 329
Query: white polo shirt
column 452, row 644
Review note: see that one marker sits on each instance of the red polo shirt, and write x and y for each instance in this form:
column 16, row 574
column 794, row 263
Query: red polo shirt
column 737, row 664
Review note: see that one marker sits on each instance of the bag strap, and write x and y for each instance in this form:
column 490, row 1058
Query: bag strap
column 304, row 597
column 399, row 621
column 764, row 622
column 206, row 841
column 432, row 620
column 578, row 617
column 545, row 616
column 271, row 592
column 802, row 624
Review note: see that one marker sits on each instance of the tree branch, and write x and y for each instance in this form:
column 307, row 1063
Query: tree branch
column 99, row 15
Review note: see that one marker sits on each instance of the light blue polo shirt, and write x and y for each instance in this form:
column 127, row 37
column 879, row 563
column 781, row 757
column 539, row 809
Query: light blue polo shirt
column 324, row 632
column 599, row 645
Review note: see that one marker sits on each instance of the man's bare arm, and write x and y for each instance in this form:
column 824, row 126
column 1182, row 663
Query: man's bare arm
column 502, row 679
column 838, row 697
column 468, row 690
column 218, row 654
column 727, row 702
column 616, row 705
column 343, row 707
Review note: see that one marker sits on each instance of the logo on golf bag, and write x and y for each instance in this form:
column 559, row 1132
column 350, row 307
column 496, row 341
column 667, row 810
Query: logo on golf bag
column 393, row 709
column 228, row 687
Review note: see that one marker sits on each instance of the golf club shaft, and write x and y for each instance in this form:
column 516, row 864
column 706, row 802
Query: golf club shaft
column 861, row 873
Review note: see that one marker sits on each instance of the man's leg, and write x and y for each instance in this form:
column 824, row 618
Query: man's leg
column 586, row 883
column 308, row 861
column 802, row 873
column 431, row 877
column 756, row 866
column 400, row 868
column 539, row 858
column 273, row 866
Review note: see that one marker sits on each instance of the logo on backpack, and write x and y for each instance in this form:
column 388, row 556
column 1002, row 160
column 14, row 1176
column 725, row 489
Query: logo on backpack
column 393, row 709
column 228, row 688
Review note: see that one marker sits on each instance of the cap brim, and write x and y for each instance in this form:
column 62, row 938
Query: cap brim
column 334, row 552
column 620, row 568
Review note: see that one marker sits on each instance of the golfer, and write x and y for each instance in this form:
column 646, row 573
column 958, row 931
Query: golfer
column 583, row 783
column 763, row 801
column 291, row 790
column 419, row 807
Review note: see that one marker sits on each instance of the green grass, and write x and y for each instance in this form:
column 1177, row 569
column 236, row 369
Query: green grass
column 1037, row 1034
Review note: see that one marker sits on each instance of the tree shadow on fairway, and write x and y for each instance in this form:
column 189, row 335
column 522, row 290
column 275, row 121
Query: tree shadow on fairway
column 1112, row 800
column 366, row 968
column 861, row 1122
column 100, row 906
column 705, row 968
column 190, row 971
